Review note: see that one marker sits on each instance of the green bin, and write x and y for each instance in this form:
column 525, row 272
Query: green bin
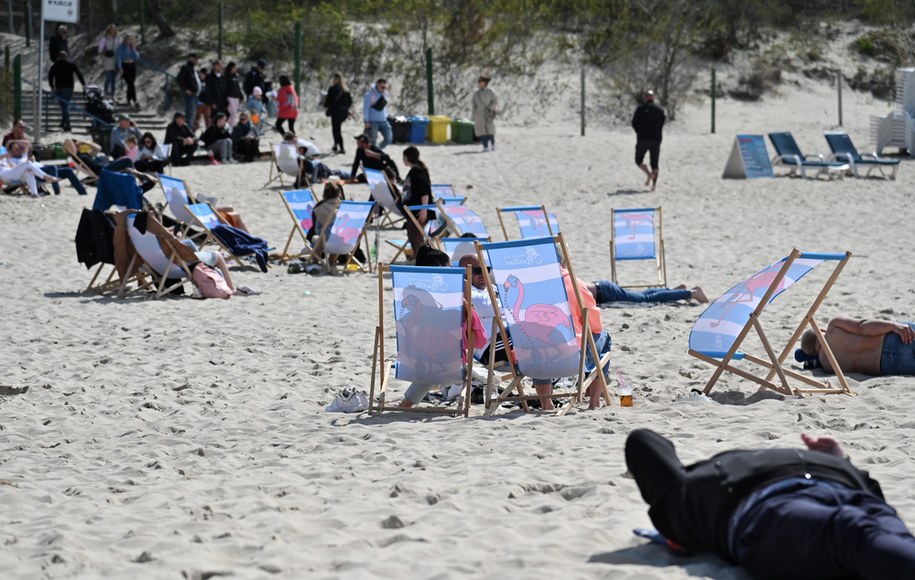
column 462, row 131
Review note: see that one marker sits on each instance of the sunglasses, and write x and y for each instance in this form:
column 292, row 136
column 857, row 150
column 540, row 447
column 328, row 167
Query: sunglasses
column 477, row 271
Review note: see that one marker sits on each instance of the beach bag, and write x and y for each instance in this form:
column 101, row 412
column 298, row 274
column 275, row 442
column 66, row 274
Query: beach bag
column 210, row 283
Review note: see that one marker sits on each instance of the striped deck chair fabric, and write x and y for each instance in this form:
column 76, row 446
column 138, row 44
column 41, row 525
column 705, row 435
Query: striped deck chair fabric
column 457, row 247
column 347, row 229
column 440, row 190
column 534, row 221
column 462, row 220
column 636, row 234
column 718, row 333
column 380, row 189
column 178, row 198
column 428, row 319
column 300, row 204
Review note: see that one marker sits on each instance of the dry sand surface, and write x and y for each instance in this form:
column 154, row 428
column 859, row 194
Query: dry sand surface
column 187, row 438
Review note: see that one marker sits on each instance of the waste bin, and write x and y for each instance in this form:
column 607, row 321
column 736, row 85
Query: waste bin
column 400, row 127
column 462, row 131
column 437, row 132
column 418, row 128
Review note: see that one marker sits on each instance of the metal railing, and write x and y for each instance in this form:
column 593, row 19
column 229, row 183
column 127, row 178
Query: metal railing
column 166, row 78
column 102, row 124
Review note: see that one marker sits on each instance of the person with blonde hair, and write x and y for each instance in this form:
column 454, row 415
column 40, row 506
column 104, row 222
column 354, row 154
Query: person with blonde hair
column 126, row 59
column 337, row 105
column 107, row 49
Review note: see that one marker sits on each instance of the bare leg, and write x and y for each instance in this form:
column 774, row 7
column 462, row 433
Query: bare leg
column 545, row 390
column 698, row 294
column 594, row 392
column 331, row 265
column 647, row 172
column 224, row 270
column 654, row 179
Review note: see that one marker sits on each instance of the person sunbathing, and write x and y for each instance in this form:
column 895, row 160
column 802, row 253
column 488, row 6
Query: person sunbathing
column 606, row 291
column 20, row 152
column 870, row 347
column 27, row 172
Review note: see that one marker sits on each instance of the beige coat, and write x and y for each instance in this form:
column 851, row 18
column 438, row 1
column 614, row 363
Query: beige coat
column 485, row 107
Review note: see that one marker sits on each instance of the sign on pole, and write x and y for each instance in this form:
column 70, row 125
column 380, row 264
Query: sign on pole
column 61, row 10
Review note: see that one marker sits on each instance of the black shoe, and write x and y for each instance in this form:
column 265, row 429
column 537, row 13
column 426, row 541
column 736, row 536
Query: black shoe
column 342, row 152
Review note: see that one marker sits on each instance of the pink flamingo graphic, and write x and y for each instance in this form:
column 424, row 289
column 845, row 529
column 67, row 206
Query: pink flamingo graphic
column 633, row 220
column 747, row 291
column 544, row 326
column 537, row 223
column 344, row 228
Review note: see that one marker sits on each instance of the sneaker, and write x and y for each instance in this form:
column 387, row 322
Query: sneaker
column 246, row 291
column 695, row 396
column 349, row 400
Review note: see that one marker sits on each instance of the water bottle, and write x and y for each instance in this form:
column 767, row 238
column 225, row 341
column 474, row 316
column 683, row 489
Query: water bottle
column 373, row 251
column 625, row 390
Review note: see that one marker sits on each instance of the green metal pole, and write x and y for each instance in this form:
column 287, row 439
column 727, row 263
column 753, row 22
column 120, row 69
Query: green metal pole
column 6, row 58
column 714, row 95
column 28, row 23
column 143, row 20
column 297, row 73
column 430, row 91
column 222, row 9
column 17, row 87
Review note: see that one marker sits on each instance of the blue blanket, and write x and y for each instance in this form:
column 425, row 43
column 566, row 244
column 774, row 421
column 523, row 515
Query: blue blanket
column 241, row 243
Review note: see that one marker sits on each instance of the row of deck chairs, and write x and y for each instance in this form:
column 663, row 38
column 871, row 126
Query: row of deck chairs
column 845, row 158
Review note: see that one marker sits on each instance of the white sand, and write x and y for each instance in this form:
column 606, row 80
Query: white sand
column 179, row 436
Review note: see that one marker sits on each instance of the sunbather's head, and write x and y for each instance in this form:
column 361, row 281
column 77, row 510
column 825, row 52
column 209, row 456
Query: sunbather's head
column 809, row 343
column 429, row 256
column 411, row 157
column 333, row 190
column 476, row 271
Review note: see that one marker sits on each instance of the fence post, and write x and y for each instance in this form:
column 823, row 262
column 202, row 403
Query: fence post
column 6, row 58
column 714, row 96
column 143, row 20
column 430, row 89
column 297, row 73
column 28, row 23
column 17, row 87
column 582, row 100
column 839, row 86
column 10, row 3
column 222, row 11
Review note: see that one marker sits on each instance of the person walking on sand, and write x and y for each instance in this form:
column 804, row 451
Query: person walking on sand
column 648, row 122
column 871, row 347
column 375, row 113
column 126, row 57
column 337, row 105
column 485, row 108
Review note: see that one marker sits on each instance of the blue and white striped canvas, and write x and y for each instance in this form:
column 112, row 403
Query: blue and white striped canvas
column 532, row 223
column 348, row 226
column 205, row 214
column 466, row 221
column 302, row 203
column 634, row 234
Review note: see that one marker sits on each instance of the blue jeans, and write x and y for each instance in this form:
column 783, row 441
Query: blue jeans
column 65, row 96
column 190, row 108
column 64, row 172
column 603, row 343
column 607, row 291
column 385, row 128
column 897, row 358
column 110, row 78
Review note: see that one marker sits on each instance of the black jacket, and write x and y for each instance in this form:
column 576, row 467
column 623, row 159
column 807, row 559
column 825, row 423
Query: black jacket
column 57, row 44
column 214, row 134
column 94, row 238
column 175, row 134
column 215, row 94
column 338, row 101
column 232, row 88
column 695, row 512
column 254, row 78
column 187, row 78
column 648, row 122
column 371, row 163
column 60, row 76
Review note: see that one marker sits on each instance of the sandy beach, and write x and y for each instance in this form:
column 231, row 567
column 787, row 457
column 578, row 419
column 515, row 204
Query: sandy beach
column 182, row 438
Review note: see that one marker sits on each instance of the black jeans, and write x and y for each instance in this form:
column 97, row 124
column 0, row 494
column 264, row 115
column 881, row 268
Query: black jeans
column 129, row 70
column 336, row 122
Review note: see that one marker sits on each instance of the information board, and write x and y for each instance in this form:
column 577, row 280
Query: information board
column 749, row 159
column 61, row 11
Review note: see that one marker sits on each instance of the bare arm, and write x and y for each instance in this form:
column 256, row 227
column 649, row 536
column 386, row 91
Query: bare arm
column 873, row 327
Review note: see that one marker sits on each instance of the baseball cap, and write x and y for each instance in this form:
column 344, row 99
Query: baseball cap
column 262, row 63
column 362, row 137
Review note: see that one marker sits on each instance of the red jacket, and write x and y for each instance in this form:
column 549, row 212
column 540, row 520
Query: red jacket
column 287, row 103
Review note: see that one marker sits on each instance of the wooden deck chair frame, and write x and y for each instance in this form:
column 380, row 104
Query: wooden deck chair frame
column 112, row 281
column 157, row 286
column 351, row 257
column 91, row 176
column 212, row 238
column 585, row 379
column 285, row 256
column 402, row 246
column 381, row 367
column 660, row 259
column 276, row 173
column 516, row 209
column 775, row 364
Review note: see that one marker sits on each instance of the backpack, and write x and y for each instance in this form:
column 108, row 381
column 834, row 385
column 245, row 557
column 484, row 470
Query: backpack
column 210, row 283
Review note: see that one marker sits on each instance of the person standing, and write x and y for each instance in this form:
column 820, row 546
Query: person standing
column 485, row 108
column 189, row 83
column 648, row 122
column 337, row 103
column 58, row 43
column 255, row 78
column 126, row 63
column 288, row 104
column 216, row 95
column 417, row 190
column 60, row 78
column 375, row 113
column 182, row 140
column 203, row 109
column 107, row 50
column 233, row 92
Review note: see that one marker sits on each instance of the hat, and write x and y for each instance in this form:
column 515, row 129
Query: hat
column 262, row 63
column 362, row 137
column 257, row 91
column 123, row 117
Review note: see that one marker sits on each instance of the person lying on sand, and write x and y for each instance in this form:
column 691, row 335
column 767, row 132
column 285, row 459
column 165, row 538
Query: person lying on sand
column 871, row 347
column 778, row 513
column 606, row 291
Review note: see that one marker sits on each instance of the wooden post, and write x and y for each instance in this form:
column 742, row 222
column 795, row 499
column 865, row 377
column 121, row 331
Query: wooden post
column 582, row 100
column 839, row 89
column 222, row 11
column 297, row 71
column 17, row 87
column 430, row 89
column 143, row 21
column 714, row 96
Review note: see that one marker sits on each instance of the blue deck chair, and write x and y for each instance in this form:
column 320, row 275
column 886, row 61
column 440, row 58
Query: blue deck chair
column 151, row 256
column 457, row 247
column 118, row 189
column 787, row 153
column 462, row 220
column 434, row 229
column 844, row 151
column 300, row 203
column 525, row 280
column 382, row 191
column 637, row 234
column 719, row 332
column 346, row 232
column 178, row 197
column 534, row 221
column 207, row 218
column 440, row 190
column 431, row 348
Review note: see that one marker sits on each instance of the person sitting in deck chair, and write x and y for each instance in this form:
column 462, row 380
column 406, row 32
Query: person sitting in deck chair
column 23, row 173
column 92, row 156
column 429, row 256
column 20, row 153
column 870, row 347
column 312, row 170
column 482, row 305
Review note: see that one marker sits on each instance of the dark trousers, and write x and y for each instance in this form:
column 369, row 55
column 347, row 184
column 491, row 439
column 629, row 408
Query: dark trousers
column 279, row 125
column 129, row 71
column 181, row 153
column 64, row 172
column 64, row 101
column 149, row 165
column 336, row 124
column 247, row 148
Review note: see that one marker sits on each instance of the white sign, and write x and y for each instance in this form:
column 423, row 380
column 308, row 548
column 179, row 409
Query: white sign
column 61, row 10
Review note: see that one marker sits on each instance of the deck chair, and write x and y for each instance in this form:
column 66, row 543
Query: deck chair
column 719, row 332
column 208, row 218
column 534, row 221
column 525, row 280
column 383, row 193
column 285, row 161
column 167, row 150
column 457, row 247
column 161, row 256
column 462, row 220
column 440, row 190
column 434, row 229
column 70, row 148
column 300, row 204
column 428, row 313
column 347, row 231
column 119, row 190
column 637, row 234
column 787, row 153
column 844, row 151
column 178, row 197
